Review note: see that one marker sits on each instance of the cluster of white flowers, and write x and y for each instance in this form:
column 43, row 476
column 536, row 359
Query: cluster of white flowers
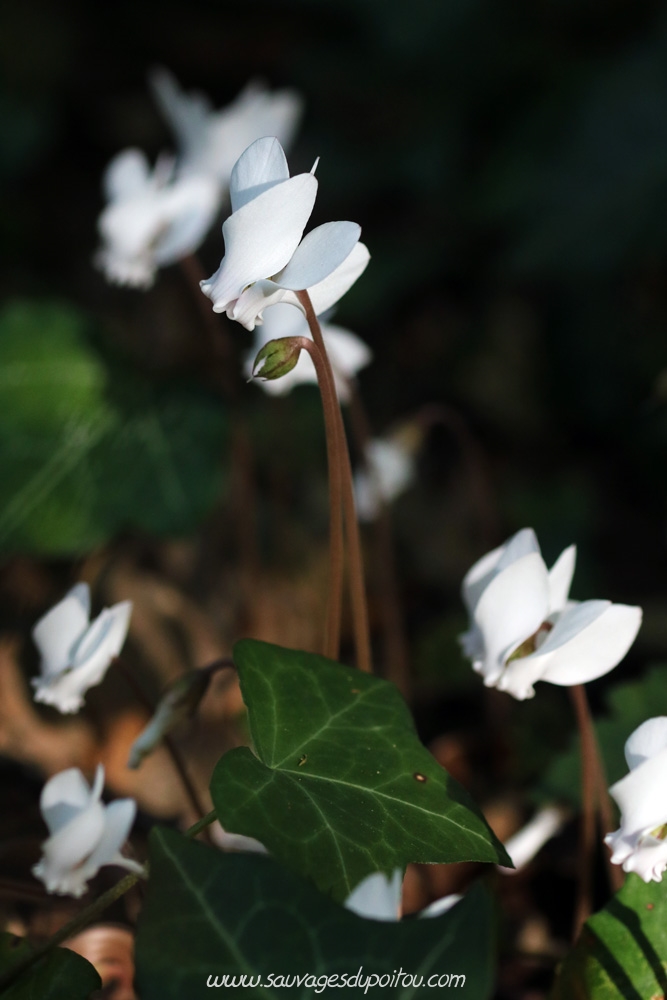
column 157, row 217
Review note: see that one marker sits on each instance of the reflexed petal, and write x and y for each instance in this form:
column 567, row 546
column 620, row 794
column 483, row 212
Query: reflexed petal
column 105, row 636
column 261, row 237
column 646, row 741
column 440, row 906
column 59, row 629
column 377, row 897
column 185, row 113
column 521, row 544
column 63, row 797
column 189, row 207
column 478, row 578
column 560, row 578
column 259, row 168
column 587, row 641
column 511, row 609
column 73, row 843
column 127, row 176
column 326, row 293
column 118, row 820
column 319, row 254
column 524, row 845
column 642, row 795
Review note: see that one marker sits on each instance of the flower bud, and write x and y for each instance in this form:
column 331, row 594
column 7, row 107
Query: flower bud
column 277, row 358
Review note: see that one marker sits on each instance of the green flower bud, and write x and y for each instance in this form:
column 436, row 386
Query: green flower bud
column 276, row 358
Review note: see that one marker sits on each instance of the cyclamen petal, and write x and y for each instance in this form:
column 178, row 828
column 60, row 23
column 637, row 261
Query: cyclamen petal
column 267, row 259
column 377, row 897
column 640, row 844
column 525, row 629
column 75, row 653
column 85, row 834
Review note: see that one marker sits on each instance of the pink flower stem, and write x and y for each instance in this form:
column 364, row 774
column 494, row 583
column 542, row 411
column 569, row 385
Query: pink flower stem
column 589, row 787
column 355, row 561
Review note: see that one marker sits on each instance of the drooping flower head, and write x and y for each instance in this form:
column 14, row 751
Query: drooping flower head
column 153, row 218
column 267, row 259
column 640, row 844
column 524, row 629
column 210, row 142
column 75, row 651
column 84, row 833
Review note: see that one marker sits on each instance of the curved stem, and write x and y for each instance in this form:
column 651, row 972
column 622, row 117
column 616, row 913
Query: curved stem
column 330, row 408
column 357, row 584
column 589, row 785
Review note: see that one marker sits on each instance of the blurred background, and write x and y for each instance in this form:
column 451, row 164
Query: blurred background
column 508, row 165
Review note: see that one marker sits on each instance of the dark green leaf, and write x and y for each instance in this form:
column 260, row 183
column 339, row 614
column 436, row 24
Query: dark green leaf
column 211, row 914
column 341, row 785
column 60, row 975
column 622, row 951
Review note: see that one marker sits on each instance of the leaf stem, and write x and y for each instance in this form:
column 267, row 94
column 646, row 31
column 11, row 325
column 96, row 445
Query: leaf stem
column 355, row 560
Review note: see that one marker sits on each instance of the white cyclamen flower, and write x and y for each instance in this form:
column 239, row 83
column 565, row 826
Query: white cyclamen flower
column 153, row 219
column 266, row 260
column 530, row 839
column 390, row 470
column 524, row 629
column 378, row 897
column 210, row 142
column 85, row 834
column 640, row 845
column 75, row 651
column 347, row 352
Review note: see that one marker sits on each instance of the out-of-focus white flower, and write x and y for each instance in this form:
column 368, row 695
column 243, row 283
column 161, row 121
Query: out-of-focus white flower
column 84, row 833
column 378, row 897
column 525, row 844
column 235, row 842
column 75, row 651
column 524, row 629
column 210, row 142
column 153, row 218
column 640, row 844
column 266, row 259
column 347, row 352
column 390, row 470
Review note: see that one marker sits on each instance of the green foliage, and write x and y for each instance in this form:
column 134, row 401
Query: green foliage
column 211, row 914
column 629, row 705
column 88, row 451
column 341, row 786
column 60, row 975
column 622, row 951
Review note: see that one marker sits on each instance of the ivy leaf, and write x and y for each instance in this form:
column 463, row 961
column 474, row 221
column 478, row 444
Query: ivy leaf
column 60, row 975
column 341, row 786
column 208, row 915
column 622, row 951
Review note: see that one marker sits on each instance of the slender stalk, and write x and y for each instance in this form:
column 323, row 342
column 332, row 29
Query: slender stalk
column 396, row 654
column 357, row 584
column 69, row 929
column 89, row 914
column 190, row 790
column 589, row 786
column 615, row 872
column 330, row 408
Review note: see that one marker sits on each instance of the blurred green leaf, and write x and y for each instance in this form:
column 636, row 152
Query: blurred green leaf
column 341, row 786
column 60, row 975
column 208, row 914
column 622, row 951
column 88, row 450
